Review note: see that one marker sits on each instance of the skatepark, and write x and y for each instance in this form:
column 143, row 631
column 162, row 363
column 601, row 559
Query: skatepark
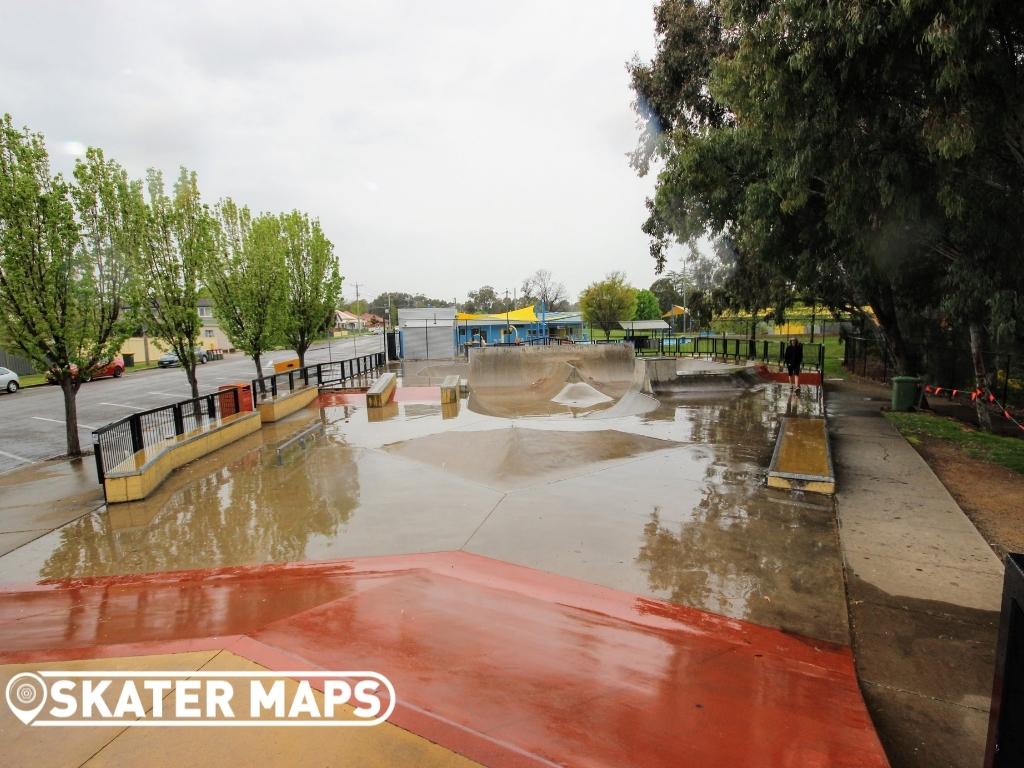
column 590, row 532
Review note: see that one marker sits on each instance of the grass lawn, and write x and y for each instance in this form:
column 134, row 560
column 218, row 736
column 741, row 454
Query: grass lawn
column 1005, row 451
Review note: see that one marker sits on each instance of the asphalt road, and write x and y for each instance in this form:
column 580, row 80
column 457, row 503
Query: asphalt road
column 32, row 420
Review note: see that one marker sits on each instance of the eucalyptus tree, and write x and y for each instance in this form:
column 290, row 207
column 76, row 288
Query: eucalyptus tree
column 866, row 158
column 247, row 277
column 314, row 283
column 179, row 238
column 65, row 250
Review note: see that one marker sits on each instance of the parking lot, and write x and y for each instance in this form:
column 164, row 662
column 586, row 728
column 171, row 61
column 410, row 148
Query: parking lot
column 32, row 420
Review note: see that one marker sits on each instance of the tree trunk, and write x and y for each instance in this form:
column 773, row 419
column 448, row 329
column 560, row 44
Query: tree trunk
column 300, row 349
column 190, row 373
column 259, row 373
column 980, row 376
column 67, row 385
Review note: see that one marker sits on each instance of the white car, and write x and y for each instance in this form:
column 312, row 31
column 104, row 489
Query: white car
column 9, row 381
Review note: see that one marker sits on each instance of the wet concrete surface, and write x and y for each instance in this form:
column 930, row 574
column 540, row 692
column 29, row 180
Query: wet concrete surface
column 924, row 590
column 506, row 665
column 38, row 498
column 669, row 503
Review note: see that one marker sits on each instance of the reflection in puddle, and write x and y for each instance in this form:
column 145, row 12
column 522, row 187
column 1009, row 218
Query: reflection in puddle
column 667, row 500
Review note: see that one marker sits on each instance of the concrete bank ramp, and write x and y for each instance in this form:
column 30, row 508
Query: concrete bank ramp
column 686, row 376
column 545, row 381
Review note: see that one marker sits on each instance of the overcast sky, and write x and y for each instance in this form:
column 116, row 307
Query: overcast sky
column 443, row 144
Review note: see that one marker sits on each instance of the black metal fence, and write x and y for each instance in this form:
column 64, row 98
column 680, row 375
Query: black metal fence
column 867, row 357
column 1006, row 714
column 321, row 374
column 768, row 351
column 947, row 364
column 119, row 441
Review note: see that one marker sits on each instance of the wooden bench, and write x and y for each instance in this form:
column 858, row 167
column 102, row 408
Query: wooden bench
column 450, row 390
column 380, row 393
column 802, row 459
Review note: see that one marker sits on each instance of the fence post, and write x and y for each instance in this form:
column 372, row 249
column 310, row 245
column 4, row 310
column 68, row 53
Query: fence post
column 135, row 428
column 291, row 381
column 238, row 404
column 211, row 407
column 97, row 452
column 179, row 421
column 273, row 385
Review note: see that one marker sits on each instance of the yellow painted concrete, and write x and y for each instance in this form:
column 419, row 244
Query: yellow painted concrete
column 286, row 404
column 450, row 389
column 802, row 460
column 286, row 365
column 379, row 395
column 804, row 447
column 138, row 476
column 382, row 745
column 60, row 747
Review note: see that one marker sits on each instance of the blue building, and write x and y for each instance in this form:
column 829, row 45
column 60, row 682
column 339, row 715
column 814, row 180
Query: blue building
column 518, row 326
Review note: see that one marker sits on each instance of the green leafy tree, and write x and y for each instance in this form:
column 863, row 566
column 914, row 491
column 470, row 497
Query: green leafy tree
column 608, row 302
column 314, row 284
column 666, row 293
column 247, row 278
column 65, row 251
column 179, row 239
column 484, row 301
column 646, row 306
column 870, row 158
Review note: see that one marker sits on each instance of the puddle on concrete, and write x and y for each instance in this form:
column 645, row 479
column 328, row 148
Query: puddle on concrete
column 666, row 500
column 514, row 457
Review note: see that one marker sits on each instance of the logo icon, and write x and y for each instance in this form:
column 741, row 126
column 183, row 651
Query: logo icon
column 26, row 696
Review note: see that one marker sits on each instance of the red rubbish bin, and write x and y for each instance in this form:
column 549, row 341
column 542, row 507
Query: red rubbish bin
column 227, row 399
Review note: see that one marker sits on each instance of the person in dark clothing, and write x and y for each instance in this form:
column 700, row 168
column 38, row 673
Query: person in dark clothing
column 794, row 358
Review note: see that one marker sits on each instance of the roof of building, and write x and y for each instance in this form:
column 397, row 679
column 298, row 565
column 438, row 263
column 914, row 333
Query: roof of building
column 643, row 325
column 420, row 316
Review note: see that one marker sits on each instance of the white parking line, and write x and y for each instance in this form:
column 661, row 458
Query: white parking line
column 171, row 394
column 15, row 457
column 122, row 405
column 61, row 421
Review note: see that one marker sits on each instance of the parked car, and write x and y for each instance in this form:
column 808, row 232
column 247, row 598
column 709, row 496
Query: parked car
column 113, row 368
column 171, row 358
column 9, row 380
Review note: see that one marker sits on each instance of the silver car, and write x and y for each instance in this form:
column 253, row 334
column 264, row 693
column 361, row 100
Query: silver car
column 9, row 381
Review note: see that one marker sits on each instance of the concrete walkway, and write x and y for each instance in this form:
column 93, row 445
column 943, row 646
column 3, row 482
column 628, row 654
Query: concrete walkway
column 924, row 590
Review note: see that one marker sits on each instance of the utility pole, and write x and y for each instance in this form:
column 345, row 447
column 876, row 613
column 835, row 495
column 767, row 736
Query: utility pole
column 359, row 320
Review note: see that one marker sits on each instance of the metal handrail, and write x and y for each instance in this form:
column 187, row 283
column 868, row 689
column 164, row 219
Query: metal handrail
column 115, row 442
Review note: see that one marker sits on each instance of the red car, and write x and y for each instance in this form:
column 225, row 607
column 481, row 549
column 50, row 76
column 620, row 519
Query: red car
column 114, row 368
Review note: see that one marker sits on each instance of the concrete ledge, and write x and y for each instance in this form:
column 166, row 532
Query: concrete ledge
column 802, row 460
column 379, row 395
column 138, row 476
column 450, row 390
column 286, row 404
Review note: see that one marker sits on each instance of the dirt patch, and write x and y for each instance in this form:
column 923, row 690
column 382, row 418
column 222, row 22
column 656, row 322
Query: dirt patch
column 989, row 494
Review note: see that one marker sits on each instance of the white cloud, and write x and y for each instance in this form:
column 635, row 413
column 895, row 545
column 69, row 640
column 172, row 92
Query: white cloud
column 443, row 145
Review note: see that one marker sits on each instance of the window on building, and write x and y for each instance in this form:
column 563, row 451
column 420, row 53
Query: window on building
column 208, row 333
column 206, row 311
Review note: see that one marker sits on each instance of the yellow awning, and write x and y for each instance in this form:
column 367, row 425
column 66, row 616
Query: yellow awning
column 524, row 315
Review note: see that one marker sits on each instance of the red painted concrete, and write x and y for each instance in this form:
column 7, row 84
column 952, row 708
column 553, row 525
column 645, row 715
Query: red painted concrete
column 402, row 395
column 812, row 378
column 507, row 665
